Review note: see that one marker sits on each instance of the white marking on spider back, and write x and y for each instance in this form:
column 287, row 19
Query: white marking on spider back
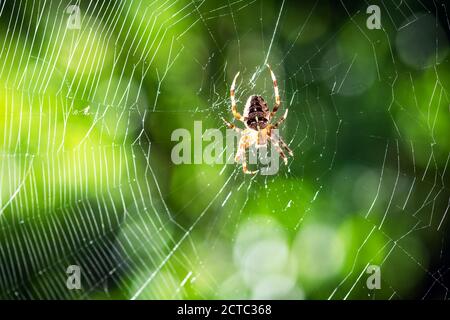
column 247, row 104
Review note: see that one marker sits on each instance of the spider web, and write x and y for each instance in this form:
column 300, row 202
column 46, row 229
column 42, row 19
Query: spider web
column 86, row 176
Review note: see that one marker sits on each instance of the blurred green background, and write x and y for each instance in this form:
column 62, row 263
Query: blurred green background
column 86, row 117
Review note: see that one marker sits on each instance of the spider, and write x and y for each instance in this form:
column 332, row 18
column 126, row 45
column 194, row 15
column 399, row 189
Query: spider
column 257, row 120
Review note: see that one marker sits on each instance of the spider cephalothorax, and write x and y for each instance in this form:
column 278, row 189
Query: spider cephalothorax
column 257, row 118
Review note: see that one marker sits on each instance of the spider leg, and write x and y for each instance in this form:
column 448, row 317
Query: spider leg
column 279, row 145
column 281, row 120
column 284, row 145
column 245, row 169
column 232, row 126
column 279, row 150
column 236, row 114
column 277, row 94
column 240, row 155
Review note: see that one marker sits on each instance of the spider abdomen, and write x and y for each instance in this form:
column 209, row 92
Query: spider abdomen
column 256, row 113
